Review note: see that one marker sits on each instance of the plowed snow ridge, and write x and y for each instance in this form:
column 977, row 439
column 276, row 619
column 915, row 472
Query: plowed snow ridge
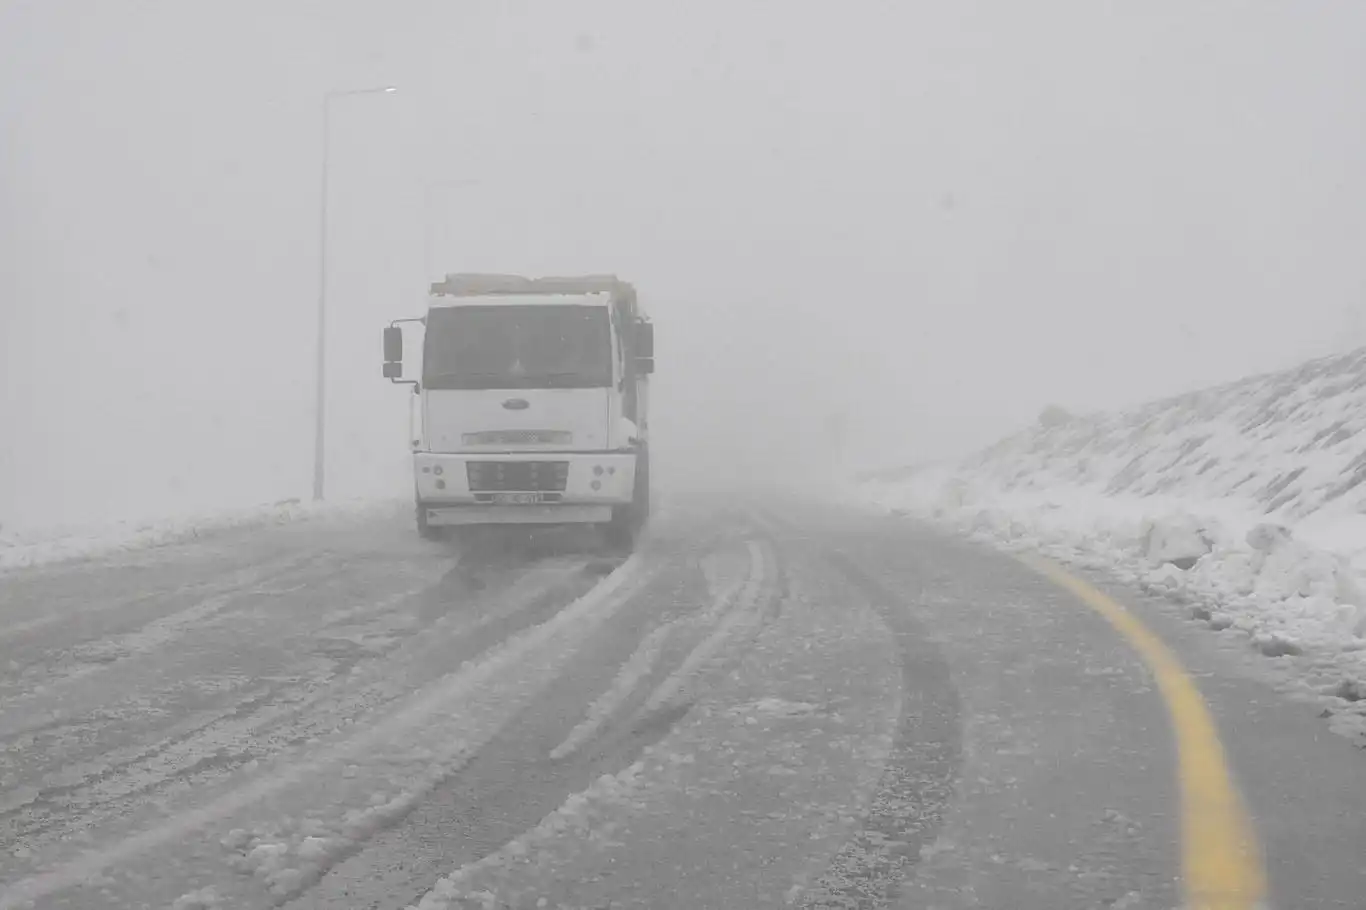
column 1247, row 501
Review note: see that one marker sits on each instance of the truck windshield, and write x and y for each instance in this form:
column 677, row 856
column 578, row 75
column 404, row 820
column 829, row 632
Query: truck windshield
column 558, row 346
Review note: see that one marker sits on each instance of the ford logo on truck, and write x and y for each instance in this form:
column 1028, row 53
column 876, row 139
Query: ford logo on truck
column 516, row 404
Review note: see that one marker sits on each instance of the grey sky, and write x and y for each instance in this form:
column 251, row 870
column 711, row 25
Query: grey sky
column 940, row 217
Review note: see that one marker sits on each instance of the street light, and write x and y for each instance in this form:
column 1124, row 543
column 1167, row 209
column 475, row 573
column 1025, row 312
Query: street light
column 320, row 404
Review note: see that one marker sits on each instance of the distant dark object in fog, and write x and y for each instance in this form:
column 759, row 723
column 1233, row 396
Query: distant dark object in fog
column 1054, row 416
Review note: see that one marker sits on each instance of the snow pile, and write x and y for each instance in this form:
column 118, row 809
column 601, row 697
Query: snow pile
column 203, row 899
column 22, row 548
column 1247, row 501
column 294, row 853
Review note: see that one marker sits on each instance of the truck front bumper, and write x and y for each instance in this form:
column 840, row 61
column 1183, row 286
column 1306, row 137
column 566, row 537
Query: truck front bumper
column 523, row 488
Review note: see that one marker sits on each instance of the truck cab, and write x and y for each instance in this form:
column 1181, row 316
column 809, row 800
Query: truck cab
column 532, row 399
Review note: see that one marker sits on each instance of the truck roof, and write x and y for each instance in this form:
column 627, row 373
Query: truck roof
column 477, row 284
column 467, row 287
column 509, row 299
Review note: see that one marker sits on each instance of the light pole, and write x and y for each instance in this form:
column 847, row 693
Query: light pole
column 320, row 404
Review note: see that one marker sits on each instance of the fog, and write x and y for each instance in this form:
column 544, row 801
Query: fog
column 934, row 219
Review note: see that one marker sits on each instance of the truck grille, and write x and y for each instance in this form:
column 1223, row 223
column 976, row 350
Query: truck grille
column 517, row 476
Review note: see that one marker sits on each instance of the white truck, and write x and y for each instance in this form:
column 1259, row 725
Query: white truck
column 533, row 403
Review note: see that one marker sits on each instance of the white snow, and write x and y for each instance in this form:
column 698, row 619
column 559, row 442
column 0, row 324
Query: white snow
column 733, row 607
column 420, row 743
column 288, row 820
column 742, row 610
column 1247, row 502
column 1180, row 541
column 583, row 816
column 766, row 754
column 640, row 664
column 203, row 899
column 42, row 546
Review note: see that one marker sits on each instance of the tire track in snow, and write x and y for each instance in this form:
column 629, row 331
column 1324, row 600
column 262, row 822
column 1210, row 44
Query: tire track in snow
column 216, row 740
column 36, row 598
column 639, row 666
column 744, row 614
column 907, row 809
column 78, row 664
column 266, row 720
column 434, row 728
column 735, row 609
column 199, row 739
column 508, row 782
column 23, row 627
column 643, row 661
column 31, row 654
column 590, row 822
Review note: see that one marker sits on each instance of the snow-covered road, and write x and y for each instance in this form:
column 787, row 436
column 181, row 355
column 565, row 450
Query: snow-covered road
column 764, row 706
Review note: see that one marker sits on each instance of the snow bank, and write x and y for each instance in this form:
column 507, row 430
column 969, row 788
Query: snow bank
column 1246, row 501
column 22, row 548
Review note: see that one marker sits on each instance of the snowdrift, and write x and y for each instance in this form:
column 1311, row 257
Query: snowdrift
column 1246, row 501
column 20, row 549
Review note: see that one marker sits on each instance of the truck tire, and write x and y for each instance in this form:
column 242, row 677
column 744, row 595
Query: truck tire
column 424, row 530
column 628, row 521
column 642, row 490
column 620, row 531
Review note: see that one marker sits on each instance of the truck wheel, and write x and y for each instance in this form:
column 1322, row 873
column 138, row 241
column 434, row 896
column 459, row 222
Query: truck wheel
column 424, row 530
column 642, row 491
column 628, row 521
column 621, row 530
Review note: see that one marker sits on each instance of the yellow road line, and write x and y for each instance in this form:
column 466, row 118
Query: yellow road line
column 1220, row 858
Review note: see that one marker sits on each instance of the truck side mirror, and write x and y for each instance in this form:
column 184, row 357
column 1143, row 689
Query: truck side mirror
column 645, row 365
column 393, row 348
column 645, row 340
column 393, row 369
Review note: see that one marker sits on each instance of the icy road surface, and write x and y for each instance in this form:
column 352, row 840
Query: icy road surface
column 765, row 706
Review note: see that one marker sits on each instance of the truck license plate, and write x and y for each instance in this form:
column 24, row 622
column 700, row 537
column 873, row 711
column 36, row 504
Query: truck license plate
column 516, row 499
